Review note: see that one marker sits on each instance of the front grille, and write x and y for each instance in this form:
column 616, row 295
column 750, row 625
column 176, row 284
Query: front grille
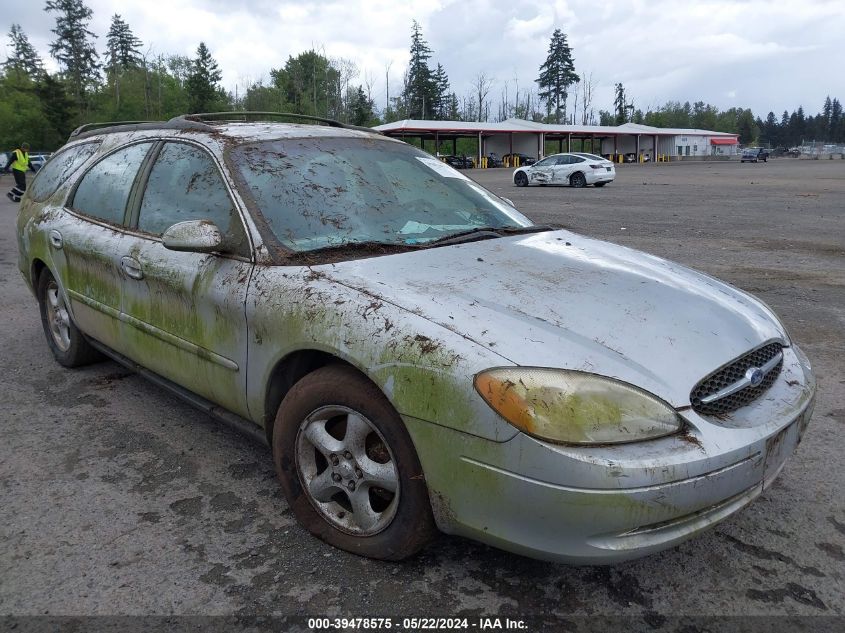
column 731, row 374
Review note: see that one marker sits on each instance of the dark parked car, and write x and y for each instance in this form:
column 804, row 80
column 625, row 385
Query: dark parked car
column 493, row 160
column 754, row 154
column 524, row 159
column 459, row 162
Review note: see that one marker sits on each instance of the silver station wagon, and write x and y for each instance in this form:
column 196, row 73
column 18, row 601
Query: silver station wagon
column 418, row 354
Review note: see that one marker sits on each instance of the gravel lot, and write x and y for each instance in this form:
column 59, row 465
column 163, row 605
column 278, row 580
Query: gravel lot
column 119, row 499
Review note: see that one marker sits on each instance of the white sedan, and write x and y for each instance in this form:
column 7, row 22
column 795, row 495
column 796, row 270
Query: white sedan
column 573, row 169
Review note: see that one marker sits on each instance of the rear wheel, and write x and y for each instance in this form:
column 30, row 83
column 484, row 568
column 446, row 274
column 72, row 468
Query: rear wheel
column 66, row 342
column 348, row 467
column 577, row 180
column 520, row 179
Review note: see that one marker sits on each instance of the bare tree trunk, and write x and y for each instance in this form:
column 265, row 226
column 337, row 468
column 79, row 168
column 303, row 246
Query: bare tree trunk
column 116, row 92
column 587, row 99
column 482, row 89
column 387, row 86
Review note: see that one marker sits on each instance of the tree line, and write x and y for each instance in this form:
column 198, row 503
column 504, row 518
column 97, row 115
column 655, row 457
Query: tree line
column 788, row 130
column 126, row 82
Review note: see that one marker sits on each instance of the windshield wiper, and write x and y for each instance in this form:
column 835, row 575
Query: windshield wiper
column 486, row 233
column 350, row 250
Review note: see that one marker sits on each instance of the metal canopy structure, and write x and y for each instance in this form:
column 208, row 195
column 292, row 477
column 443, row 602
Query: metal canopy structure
column 511, row 132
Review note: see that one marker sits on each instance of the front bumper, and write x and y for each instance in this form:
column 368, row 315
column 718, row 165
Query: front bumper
column 612, row 503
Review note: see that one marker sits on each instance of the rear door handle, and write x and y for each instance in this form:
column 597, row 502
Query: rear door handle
column 56, row 239
column 132, row 267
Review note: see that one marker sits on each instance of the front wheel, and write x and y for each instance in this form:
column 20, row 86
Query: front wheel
column 348, row 467
column 577, row 180
column 520, row 179
column 66, row 342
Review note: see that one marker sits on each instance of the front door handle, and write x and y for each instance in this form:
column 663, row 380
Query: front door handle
column 56, row 239
column 132, row 267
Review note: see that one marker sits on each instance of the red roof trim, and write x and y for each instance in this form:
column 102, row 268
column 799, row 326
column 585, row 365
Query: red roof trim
column 723, row 141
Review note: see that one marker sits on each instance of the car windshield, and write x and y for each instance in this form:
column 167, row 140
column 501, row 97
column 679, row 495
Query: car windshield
column 324, row 192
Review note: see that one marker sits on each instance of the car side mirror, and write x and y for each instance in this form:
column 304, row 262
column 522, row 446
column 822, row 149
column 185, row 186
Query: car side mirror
column 193, row 236
column 509, row 201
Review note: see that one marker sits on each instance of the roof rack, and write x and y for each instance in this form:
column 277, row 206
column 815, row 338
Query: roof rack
column 201, row 121
column 249, row 115
column 95, row 126
column 89, row 129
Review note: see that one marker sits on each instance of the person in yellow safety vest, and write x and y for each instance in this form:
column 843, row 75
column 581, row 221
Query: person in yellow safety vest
column 18, row 164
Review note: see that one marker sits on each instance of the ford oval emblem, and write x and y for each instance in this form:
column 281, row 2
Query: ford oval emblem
column 754, row 375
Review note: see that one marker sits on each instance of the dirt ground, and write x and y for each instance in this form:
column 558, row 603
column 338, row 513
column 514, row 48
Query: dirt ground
column 119, row 499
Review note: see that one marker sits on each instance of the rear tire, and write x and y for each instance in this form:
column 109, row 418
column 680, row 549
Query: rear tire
column 66, row 342
column 348, row 467
column 577, row 180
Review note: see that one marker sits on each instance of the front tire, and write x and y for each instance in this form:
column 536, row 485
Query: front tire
column 348, row 467
column 66, row 342
column 577, row 180
column 520, row 179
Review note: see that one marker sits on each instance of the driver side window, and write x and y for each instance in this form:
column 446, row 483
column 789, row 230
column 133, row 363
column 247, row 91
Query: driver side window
column 185, row 184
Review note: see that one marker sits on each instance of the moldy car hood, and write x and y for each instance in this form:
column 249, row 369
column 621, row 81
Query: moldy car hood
column 557, row 299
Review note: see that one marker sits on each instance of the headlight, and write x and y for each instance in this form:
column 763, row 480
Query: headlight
column 574, row 407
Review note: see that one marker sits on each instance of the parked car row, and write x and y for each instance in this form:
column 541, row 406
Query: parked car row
column 462, row 161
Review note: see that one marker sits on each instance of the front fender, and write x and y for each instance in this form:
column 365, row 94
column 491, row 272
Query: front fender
column 424, row 369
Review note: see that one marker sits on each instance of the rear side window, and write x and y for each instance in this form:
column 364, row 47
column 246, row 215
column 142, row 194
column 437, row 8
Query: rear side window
column 104, row 191
column 59, row 168
column 184, row 184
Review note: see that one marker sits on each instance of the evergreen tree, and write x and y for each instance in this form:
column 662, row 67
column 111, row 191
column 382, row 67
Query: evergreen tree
column 454, row 108
column 74, row 47
column 556, row 75
column 441, row 93
column 770, row 130
column 24, row 59
column 420, row 93
column 124, row 49
column 837, row 123
column 620, row 105
column 56, row 106
column 122, row 56
column 361, row 108
column 797, row 125
column 201, row 85
column 826, row 111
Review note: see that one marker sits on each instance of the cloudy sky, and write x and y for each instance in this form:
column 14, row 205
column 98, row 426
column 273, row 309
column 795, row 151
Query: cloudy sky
column 766, row 55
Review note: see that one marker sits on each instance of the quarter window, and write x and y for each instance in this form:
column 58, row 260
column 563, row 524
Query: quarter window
column 59, row 168
column 104, row 191
column 185, row 184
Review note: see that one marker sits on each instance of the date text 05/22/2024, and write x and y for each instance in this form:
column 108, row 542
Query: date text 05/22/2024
column 417, row 624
